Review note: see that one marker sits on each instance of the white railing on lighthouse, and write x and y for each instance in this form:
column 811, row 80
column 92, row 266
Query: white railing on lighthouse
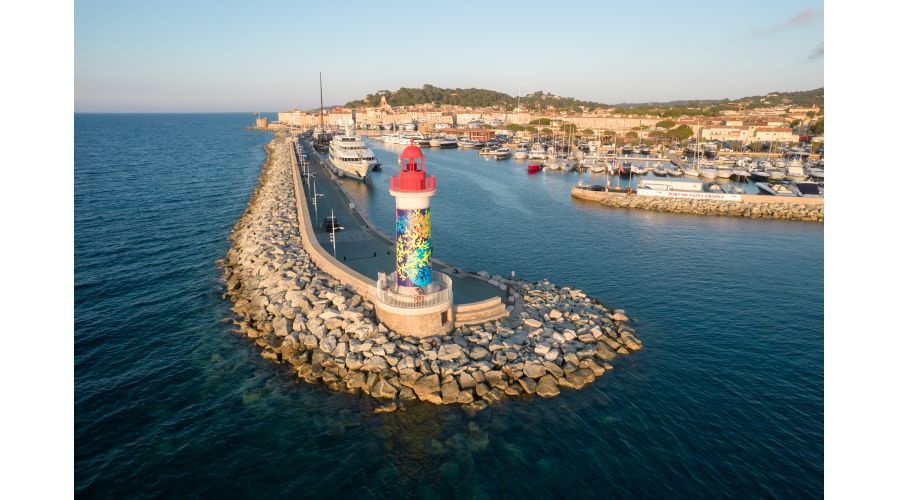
column 439, row 291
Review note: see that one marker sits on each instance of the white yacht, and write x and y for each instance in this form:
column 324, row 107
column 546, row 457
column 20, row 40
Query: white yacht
column 349, row 157
column 537, row 152
column 520, row 154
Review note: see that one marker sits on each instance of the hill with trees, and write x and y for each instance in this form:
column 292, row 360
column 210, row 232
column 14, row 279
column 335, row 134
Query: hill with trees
column 545, row 101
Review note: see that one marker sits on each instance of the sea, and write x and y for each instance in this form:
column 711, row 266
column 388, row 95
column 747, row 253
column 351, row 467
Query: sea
column 726, row 399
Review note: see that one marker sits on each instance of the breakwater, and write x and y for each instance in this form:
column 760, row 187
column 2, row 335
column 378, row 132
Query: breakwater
column 300, row 315
column 753, row 206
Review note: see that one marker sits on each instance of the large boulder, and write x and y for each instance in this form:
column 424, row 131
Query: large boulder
column 534, row 370
column 449, row 391
column 449, row 352
column 428, row 386
column 496, row 379
column 546, row 387
column 280, row 325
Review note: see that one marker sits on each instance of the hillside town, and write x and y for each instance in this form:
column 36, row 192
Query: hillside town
column 772, row 119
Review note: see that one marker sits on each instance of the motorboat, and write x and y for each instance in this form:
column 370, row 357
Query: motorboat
column 807, row 189
column 775, row 189
column 534, row 168
column 723, row 172
column 598, row 167
column 569, row 164
column 520, row 154
column 691, row 171
column 639, row 170
column 674, row 171
column 625, row 169
column 502, row 154
column 486, row 152
column 708, row 173
column 759, row 175
column 740, row 174
column 537, row 152
column 817, row 174
column 659, row 170
column 776, row 174
column 795, row 172
column 447, row 143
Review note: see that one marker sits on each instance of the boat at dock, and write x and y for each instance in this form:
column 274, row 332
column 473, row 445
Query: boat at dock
column 760, row 175
column 349, row 157
column 502, row 154
column 534, row 168
column 775, row 189
column 659, row 171
column 520, row 154
column 708, row 173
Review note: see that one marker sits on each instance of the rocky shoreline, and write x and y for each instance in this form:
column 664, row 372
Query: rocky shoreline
column 764, row 210
column 555, row 337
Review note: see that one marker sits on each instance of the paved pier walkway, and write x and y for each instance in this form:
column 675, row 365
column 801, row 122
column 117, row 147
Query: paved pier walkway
column 359, row 245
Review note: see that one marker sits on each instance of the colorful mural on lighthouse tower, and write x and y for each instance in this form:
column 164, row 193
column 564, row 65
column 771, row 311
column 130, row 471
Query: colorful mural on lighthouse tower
column 414, row 247
column 413, row 189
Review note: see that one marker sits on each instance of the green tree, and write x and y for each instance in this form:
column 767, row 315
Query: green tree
column 631, row 135
column 681, row 132
column 817, row 128
column 540, row 121
column 609, row 133
column 546, row 131
column 531, row 129
column 587, row 132
column 666, row 124
column 795, row 122
column 568, row 128
column 515, row 127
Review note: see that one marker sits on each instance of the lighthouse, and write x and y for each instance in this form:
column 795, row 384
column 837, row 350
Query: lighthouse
column 414, row 299
column 413, row 188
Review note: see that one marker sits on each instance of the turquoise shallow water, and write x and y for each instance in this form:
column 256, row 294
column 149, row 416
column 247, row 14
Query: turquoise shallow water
column 726, row 399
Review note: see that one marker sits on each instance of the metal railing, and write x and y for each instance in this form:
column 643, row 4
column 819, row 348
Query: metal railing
column 440, row 291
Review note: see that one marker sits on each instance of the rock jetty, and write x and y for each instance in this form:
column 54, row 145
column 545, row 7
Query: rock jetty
column 555, row 338
column 756, row 209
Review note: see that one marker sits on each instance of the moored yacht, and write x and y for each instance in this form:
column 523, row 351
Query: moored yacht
column 502, row 153
column 537, row 152
column 520, row 153
column 349, row 157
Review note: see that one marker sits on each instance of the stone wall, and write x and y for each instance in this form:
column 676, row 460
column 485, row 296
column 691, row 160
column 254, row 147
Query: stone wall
column 753, row 206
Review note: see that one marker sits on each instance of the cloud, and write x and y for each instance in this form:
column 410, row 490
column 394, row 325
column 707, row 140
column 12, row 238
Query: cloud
column 802, row 18
column 819, row 51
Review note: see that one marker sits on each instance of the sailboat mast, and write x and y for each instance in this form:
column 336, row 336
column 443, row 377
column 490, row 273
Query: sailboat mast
column 321, row 104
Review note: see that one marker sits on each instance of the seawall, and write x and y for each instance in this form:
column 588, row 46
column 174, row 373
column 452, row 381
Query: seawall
column 753, row 206
column 301, row 316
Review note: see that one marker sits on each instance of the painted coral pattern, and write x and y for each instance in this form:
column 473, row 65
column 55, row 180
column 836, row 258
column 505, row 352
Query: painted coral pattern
column 414, row 247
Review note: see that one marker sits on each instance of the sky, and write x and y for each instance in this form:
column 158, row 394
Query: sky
column 211, row 56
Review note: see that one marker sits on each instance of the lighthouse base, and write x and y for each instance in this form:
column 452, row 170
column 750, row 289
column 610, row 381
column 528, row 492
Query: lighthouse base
column 416, row 315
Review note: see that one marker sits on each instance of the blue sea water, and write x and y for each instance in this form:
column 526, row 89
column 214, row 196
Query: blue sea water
column 726, row 398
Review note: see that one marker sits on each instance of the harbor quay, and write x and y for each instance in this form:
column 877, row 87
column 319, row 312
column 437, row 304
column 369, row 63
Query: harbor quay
column 794, row 208
column 314, row 314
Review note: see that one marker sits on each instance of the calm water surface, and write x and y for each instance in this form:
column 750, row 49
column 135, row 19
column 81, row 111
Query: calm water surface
column 725, row 399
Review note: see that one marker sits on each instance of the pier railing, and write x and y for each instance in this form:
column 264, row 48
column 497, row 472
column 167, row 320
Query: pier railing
column 440, row 291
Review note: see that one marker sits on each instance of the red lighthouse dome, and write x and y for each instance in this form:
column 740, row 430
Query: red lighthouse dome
column 412, row 175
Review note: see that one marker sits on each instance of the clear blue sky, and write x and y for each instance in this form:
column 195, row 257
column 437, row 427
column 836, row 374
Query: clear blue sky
column 266, row 56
